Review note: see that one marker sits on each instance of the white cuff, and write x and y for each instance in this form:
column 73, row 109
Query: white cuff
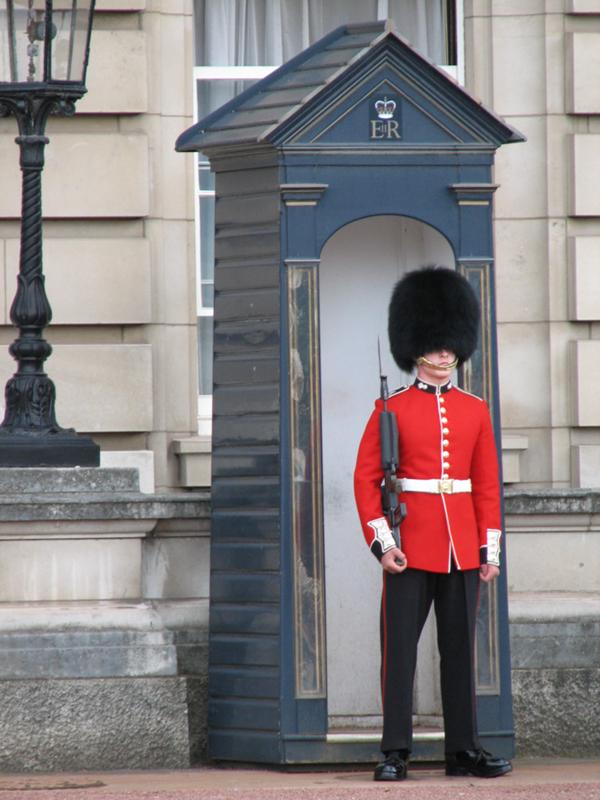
column 383, row 534
column 493, row 546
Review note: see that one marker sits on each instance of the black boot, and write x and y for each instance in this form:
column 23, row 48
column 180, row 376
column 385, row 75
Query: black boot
column 476, row 762
column 393, row 767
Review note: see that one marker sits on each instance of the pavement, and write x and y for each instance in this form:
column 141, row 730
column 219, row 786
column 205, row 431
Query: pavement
column 550, row 779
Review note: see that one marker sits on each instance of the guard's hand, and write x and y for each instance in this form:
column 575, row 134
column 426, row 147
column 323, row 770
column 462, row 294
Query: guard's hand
column 388, row 561
column 488, row 572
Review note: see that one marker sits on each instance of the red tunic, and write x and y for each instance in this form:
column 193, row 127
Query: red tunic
column 442, row 432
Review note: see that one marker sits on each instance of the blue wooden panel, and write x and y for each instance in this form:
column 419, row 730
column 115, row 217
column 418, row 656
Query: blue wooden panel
column 244, row 649
column 247, row 204
column 253, row 429
column 251, row 715
column 245, row 462
column 253, row 524
column 260, row 275
column 246, row 618
column 245, row 587
column 257, row 335
column 476, row 232
column 260, row 241
column 258, row 682
column 232, row 745
column 245, row 370
column 246, row 304
column 246, row 492
column 245, row 557
column 234, row 400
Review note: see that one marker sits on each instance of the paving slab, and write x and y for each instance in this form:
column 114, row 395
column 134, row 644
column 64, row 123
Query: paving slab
column 555, row 779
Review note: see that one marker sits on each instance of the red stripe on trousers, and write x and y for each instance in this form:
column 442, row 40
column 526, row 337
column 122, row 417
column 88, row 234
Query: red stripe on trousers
column 384, row 648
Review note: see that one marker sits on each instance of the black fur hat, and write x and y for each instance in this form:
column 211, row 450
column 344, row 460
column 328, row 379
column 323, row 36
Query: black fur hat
column 431, row 309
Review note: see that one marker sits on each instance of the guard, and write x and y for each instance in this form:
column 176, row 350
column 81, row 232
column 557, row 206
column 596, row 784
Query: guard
column 447, row 480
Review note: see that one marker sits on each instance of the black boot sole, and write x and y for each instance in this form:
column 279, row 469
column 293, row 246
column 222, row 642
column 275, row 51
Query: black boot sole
column 465, row 771
column 390, row 779
column 389, row 773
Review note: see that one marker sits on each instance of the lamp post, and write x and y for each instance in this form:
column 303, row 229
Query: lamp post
column 44, row 46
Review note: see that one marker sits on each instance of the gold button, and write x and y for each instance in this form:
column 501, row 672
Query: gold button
column 445, row 476
column 446, row 464
column 445, row 430
column 444, row 419
column 442, row 401
column 445, row 442
column 445, row 454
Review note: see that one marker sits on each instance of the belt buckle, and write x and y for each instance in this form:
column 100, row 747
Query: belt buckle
column 446, row 485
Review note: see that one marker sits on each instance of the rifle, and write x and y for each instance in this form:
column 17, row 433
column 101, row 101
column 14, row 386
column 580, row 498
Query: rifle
column 394, row 511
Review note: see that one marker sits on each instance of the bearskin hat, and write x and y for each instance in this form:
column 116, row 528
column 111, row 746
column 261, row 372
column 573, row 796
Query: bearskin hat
column 431, row 309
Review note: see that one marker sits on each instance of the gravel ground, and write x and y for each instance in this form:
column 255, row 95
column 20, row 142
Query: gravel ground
column 569, row 780
column 572, row 791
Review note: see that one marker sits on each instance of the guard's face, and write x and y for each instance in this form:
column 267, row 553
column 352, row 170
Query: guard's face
column 437, row 365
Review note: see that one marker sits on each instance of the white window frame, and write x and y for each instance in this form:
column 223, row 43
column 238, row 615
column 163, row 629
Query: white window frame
column 213, row 74
column 218, row 73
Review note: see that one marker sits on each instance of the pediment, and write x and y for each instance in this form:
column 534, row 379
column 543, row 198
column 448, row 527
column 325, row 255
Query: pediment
column 386, row 102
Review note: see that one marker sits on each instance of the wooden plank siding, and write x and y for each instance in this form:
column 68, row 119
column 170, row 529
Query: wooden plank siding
column 245, row 648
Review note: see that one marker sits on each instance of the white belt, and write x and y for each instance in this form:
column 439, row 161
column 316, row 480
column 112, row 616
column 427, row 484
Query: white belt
column 435, row 486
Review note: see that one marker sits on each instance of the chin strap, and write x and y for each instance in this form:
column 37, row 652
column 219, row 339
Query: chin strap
column 423, row 360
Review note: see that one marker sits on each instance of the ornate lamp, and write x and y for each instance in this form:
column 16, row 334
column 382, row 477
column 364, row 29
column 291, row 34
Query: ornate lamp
column 44, row 47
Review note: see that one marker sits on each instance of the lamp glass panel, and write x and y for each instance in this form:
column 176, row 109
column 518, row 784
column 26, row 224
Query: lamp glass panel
column 70, row 24
column 23, row 26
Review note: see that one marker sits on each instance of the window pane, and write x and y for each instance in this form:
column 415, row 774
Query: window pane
column 207, row 294
column 345, row 12
column 206, row 178
column 207, row 238
column 254, row 32
column 205, row 356
column 423, row 23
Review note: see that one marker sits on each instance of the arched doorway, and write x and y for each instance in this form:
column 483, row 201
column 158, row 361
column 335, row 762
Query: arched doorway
column 359, row 265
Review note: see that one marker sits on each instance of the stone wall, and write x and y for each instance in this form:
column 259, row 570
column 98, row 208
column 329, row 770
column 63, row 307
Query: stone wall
column 553, row 547
column 103, row 622
column 555, row 649
column 535, row 63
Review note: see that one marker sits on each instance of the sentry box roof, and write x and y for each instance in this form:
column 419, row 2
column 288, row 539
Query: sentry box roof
column 319, row 99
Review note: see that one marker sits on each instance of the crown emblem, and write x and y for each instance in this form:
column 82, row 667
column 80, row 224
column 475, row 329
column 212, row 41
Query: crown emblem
column 385, row 108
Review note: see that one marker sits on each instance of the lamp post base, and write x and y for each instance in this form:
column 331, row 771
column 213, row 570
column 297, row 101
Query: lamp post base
column 60, row 449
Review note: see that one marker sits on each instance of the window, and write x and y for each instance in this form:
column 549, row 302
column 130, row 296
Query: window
column 214, row 86
column 256, row 32
column 239, row 42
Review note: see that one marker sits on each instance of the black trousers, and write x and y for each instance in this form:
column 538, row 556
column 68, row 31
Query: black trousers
column 406, row 601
